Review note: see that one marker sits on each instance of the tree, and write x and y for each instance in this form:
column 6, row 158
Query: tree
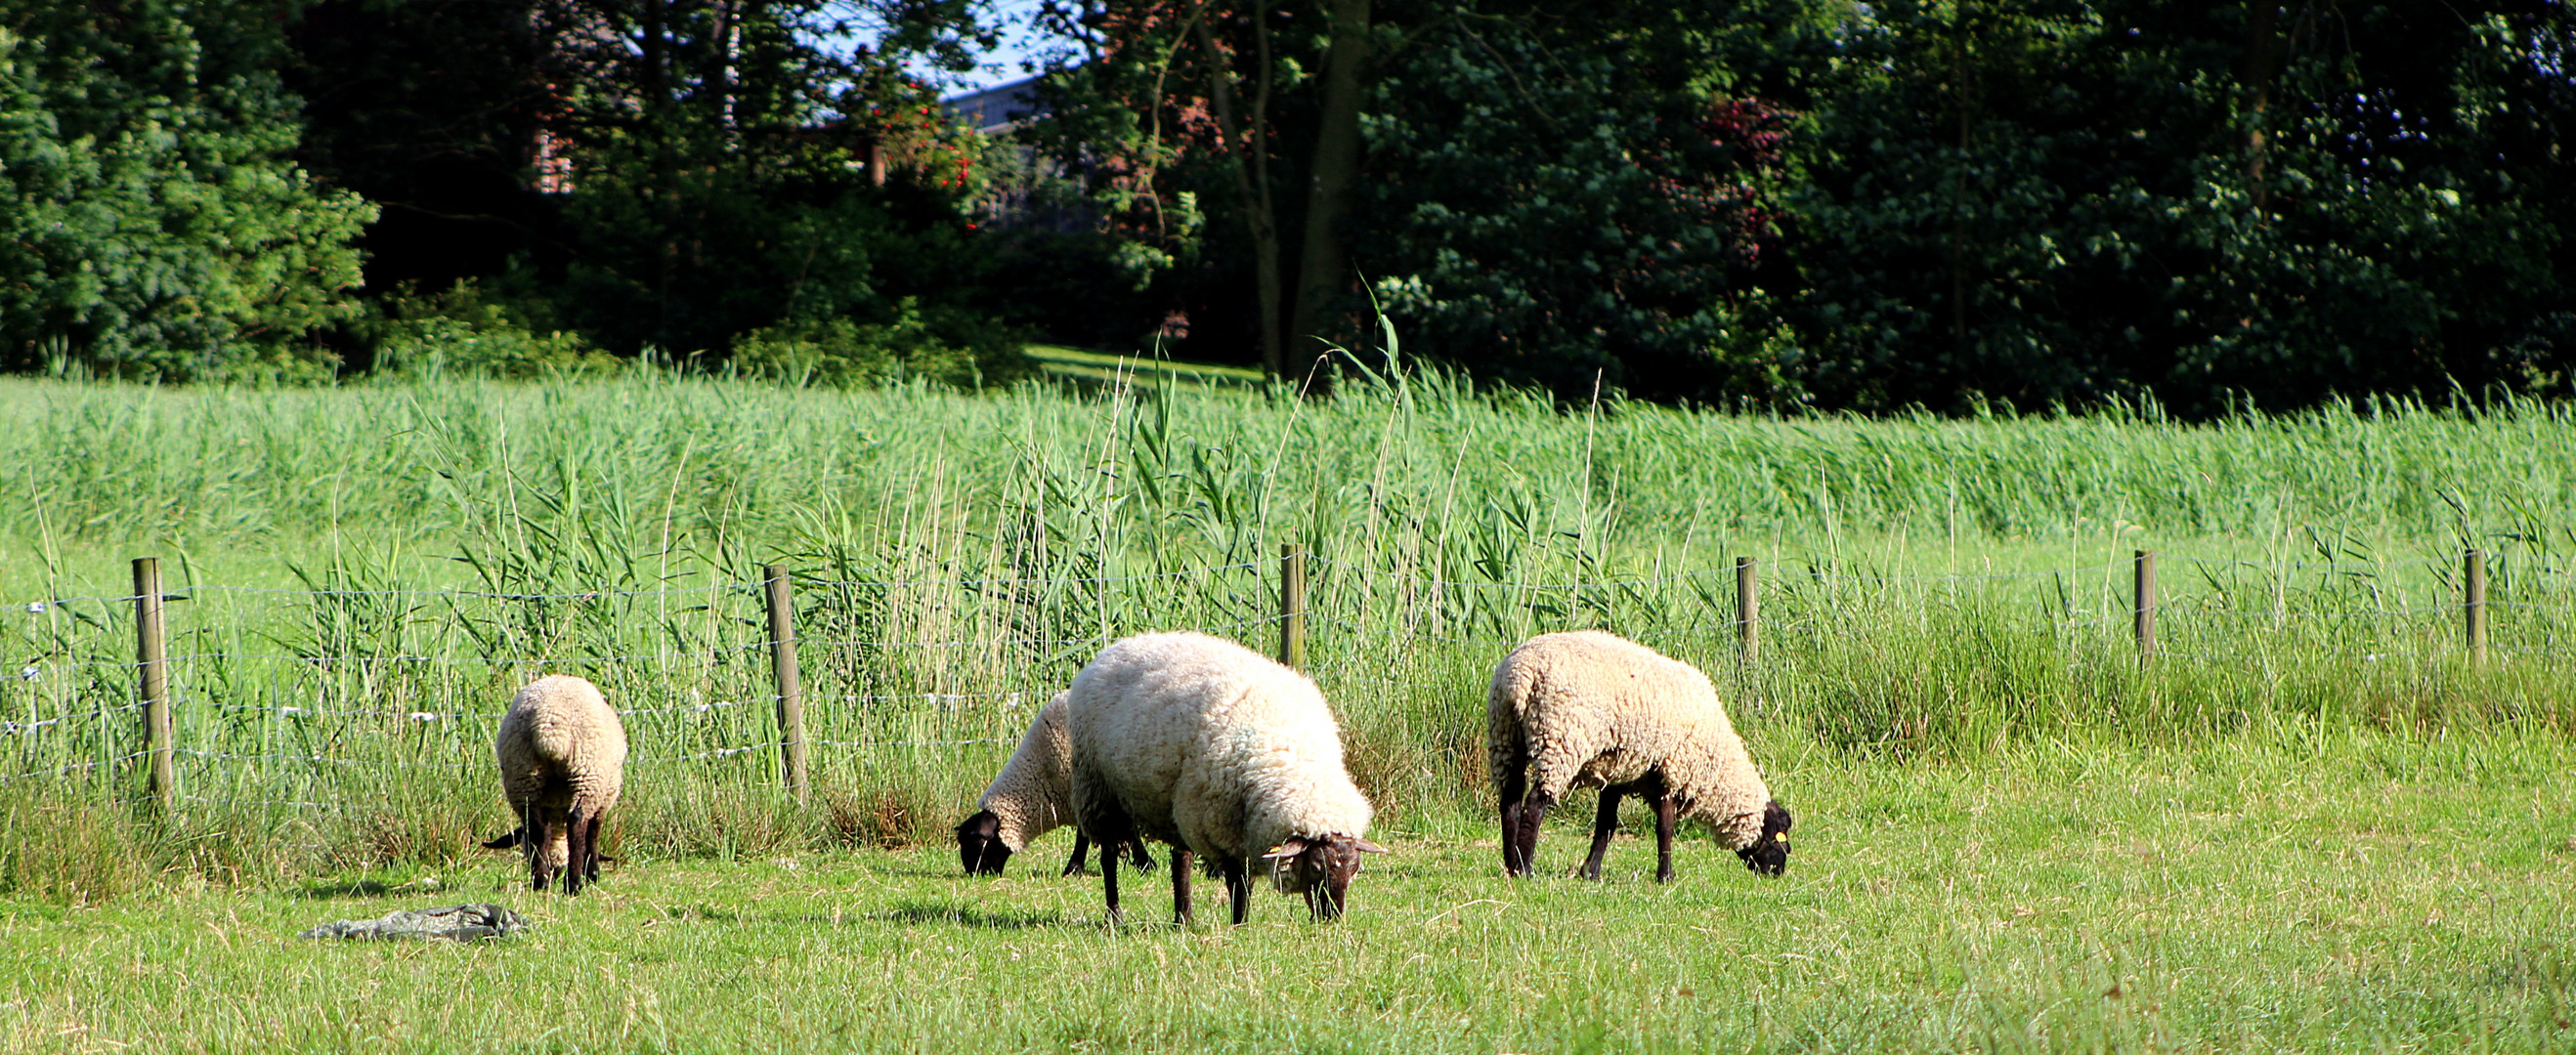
column 1589, row 197
column 436, row 111
column 1177, row 102
column 1491, row 166
column 2051, row 201
column 673, row 174
column 154, row 224
column 731, row 173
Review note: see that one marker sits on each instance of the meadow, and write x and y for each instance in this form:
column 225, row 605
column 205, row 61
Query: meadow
column 2319, row 892
column 2314, row 822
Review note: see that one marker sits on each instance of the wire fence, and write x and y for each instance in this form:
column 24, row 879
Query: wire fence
column 303, row 698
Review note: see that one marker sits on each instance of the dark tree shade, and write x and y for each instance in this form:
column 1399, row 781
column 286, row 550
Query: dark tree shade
column 432, row 109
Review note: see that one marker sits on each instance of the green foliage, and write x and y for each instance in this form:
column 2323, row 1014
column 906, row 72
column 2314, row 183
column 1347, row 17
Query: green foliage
column 1946, row 204
column 153, row 224
column 663, row 175
column 722, row 184
column 940, row 345
column 465, row 333
column 1590, row 190
column 1951, row 204
column 2064, row 201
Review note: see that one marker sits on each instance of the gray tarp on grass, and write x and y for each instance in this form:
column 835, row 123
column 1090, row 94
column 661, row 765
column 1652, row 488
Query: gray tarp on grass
column 453, row 923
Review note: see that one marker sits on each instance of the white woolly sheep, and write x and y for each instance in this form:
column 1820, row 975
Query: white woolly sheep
column 563, row 764
column 1033, row 795
column 1589, row 709
column 1216, row 750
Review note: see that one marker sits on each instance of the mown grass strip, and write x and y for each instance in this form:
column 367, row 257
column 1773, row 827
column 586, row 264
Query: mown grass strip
column 1113, row 368
column 2292, row 891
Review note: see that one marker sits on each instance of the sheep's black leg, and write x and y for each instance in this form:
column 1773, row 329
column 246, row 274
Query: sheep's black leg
column 1081, row 851
column 1533, row 814
column 1238, row 886
column 1515, row 788
column 1136, row 850
column 1180, row 886
column 576, row 849
column 1661, row 798
column 535, row 845
column 1602, row 825
column 1109, row 887
column 591, row 845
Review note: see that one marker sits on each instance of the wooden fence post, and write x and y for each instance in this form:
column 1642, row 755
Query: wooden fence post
column 2144, row 592
column 2473, row 602
column 1748, row 611
column 791, row 687
column 152, row 659
column 1292, row 605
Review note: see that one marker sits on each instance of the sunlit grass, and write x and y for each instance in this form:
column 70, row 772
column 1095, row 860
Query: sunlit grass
column 368, row 571
column 2285, row 890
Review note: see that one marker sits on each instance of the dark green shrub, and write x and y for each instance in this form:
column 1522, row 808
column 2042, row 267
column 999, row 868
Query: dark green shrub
column 934, row 343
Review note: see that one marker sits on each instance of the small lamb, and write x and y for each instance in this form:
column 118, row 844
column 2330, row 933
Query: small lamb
column 1590, row 709
column 563, row 764
column 1032, row 796
column 1216, row 750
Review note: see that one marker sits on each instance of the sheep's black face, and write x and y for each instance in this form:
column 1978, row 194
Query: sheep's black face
column 1321, row 869
column 979, row 845
column 1769, row 855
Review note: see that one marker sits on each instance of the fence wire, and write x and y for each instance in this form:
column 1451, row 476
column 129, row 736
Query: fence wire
column 315, row 699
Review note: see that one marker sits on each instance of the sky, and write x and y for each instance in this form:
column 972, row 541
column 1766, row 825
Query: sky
column 1020, row 43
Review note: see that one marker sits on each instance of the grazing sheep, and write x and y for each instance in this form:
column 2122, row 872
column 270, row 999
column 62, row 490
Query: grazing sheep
column 1216, row 750
column 563, row 763
column 1589, row 709
column 1032, row 796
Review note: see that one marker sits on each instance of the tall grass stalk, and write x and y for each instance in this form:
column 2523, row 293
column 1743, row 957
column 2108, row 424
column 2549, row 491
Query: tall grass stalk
column 367, row 572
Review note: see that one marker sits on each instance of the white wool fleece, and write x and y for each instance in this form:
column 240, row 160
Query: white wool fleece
column 1597, row 709
column 1208, row 745
column 1033, row 795
column 562, row 749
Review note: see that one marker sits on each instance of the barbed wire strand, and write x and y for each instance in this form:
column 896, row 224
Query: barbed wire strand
column 74, row 768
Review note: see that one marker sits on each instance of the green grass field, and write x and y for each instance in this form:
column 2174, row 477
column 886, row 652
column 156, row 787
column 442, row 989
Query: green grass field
column 2294, row 891
column 2315, row 823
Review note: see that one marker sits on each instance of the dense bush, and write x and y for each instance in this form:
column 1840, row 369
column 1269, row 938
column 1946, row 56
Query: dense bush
column 1781, row 203
column 463, row 332
column 942, row 345
column 152, row 223
column 1819, row 203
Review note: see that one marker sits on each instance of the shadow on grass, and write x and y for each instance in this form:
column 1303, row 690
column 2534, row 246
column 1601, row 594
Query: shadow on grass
column 915, row 913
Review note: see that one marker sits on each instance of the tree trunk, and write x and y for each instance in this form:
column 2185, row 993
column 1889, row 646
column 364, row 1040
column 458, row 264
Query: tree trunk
column 1325, row 269
column 656, row 56
column 1963, row 78
column 2262, row 64
column 1251, row 174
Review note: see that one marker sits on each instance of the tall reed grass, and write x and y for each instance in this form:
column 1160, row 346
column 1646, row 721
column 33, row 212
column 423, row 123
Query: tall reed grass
column 368, row 571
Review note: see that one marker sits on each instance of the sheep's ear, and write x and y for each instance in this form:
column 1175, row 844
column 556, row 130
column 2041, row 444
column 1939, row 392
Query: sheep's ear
column 507, row 840
column 1291, row 848
column 1367, row 847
